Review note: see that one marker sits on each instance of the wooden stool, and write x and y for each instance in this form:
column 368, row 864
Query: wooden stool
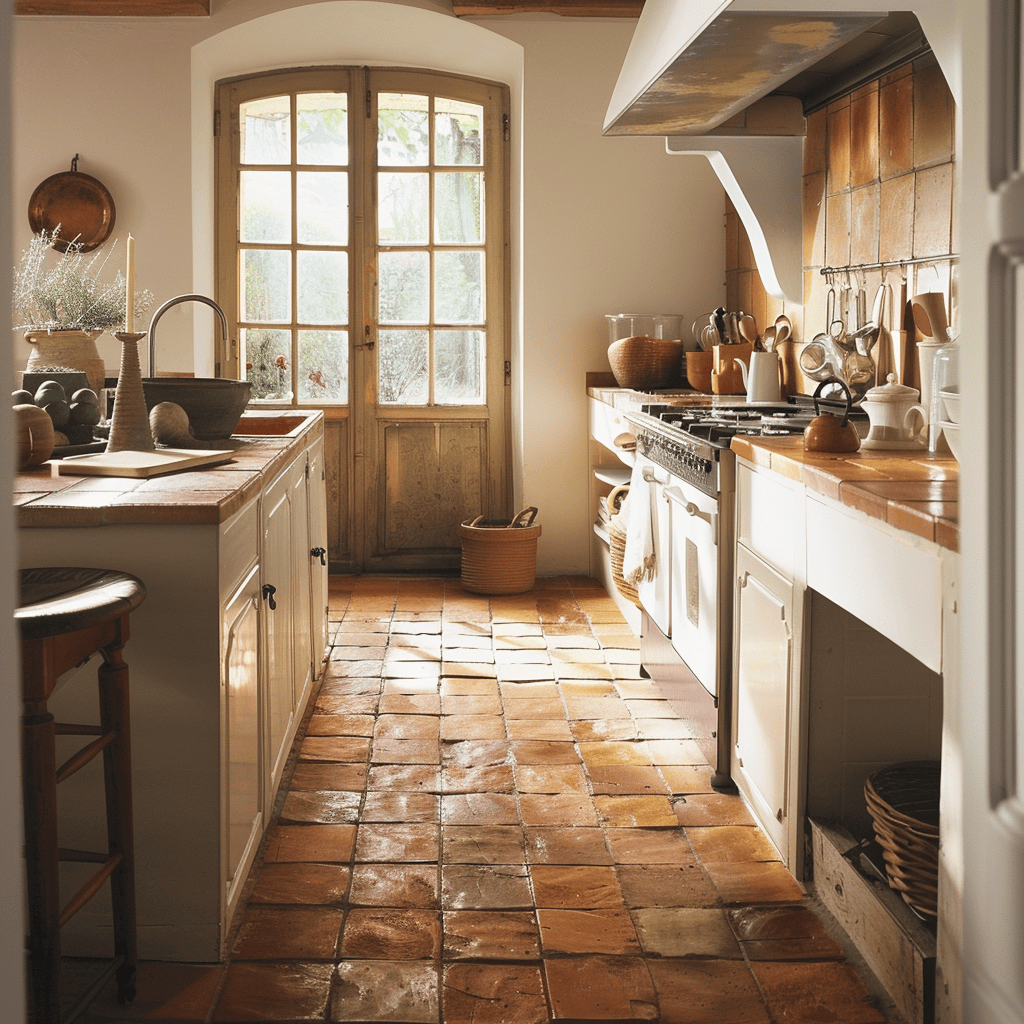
column 65, row 615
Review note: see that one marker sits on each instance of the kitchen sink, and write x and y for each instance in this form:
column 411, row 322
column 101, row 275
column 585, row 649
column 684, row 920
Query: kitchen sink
column 270, row 424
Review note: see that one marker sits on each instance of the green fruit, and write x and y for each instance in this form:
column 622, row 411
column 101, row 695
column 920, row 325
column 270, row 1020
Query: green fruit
column 22, row 398
column 52, row 388
column 86, row 396
column 56, row 408
column 85, row 412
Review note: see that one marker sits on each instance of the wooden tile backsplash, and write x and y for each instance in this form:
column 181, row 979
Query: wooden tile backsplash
column 879, row 184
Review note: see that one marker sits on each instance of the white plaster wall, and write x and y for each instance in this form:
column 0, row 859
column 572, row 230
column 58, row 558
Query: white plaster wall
column 604, row 226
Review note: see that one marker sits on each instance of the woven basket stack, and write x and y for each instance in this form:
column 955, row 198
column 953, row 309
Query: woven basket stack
column 903, row 801
column 646, row 364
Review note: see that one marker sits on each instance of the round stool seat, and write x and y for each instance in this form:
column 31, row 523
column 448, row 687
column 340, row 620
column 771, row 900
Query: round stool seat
column 57, row 600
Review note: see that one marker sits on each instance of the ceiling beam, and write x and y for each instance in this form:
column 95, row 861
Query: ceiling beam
column 568, row 8
column 116, row 8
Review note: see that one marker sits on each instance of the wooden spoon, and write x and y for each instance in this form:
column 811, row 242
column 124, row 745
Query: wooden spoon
column 783, row 328
column 748, row 329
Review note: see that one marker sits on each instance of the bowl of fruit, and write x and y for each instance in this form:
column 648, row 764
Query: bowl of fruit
column 55, row 419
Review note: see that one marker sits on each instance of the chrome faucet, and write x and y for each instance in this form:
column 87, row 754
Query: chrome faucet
column 174, row 302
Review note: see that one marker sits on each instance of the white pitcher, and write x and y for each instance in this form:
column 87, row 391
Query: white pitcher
column 762, row 379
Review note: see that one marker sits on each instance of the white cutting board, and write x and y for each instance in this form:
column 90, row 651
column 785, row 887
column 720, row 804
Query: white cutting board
column 136, row 464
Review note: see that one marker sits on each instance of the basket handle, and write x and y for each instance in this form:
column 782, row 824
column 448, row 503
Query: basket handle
column 532, row 511
column 475, row 521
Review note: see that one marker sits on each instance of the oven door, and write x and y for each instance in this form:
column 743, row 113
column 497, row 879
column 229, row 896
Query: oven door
column 654, row 593
column 695, row 564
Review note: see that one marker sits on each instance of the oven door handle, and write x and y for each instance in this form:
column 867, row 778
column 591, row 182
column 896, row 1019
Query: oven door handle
column 711, row 518
column 651, row 477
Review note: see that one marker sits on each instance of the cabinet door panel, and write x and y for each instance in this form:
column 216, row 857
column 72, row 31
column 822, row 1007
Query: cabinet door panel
column 317, row 512
column 300, row 568
column 764, row 605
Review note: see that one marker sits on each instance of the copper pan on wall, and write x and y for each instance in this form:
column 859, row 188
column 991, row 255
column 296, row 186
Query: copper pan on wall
column 78, row 203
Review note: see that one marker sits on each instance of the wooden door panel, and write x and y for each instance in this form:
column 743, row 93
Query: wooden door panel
column 431, row 480
column 337, row 461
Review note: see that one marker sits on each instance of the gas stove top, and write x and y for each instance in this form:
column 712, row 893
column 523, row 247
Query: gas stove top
column 692, row 441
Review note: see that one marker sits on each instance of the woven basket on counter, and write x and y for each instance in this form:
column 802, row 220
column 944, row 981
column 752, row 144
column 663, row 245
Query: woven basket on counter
column 646, row 364
column 903, row 801
column 499, row 556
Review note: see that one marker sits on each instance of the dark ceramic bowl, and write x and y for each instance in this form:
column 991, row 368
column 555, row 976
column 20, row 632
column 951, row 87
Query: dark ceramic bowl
column 214, row 405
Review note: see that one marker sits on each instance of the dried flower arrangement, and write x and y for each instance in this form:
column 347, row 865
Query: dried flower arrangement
column 68, row 295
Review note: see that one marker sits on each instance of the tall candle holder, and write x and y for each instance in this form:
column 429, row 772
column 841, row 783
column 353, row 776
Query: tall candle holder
column 129, row 423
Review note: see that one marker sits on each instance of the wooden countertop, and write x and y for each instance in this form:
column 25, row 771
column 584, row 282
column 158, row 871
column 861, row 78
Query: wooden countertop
column 911, row 491
column 203, row 496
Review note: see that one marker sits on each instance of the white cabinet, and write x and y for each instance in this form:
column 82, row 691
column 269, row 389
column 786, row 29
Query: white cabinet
column 316, row 512
column 763, row 680
column 243, row 792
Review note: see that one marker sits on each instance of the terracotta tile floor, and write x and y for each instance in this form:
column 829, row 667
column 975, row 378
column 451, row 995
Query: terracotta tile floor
column 492, row 818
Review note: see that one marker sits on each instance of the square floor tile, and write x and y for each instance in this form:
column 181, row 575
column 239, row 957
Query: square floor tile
column 566, row 845
column 687, row 778
column 393, row 842
column 496, row 778
column 676, row 752
column 274, row 992
column 809, row 992
column 475, row 753
column 317, row 843
column 491, row 935
column 479, row 809
column 575, row 887
column 608, row 932
column 403, row 778
column 403, row 992
column 558, row 809
column 596, row 708
column 686, row 932
column 470, row 705
column 395, row 885
column 754, row 882
column 406, row 752
column 700, row 991
column 494, row 994
column 534, row 691
column 783, row 933
column 648, row 846
column 388, row 933
column 538, row 729
column 473, row 727
column 322, row 807
column 485, row 887
column 460, row 686
column 272, row 933
column 534, row 707
column 618, row 729
column 335, row 748
column 636, row 811
column 666, row 885
column 411, row 703
column 301, row 883
column 312, row 775
column 340, row 725
column 601, row 988
column 543, row 752
column 483, row 844
column 407, row 727
column 400, row 807
column 550, row 778
column 732, row 843
column 711, row 809
column 627, row 780
column 609, row 752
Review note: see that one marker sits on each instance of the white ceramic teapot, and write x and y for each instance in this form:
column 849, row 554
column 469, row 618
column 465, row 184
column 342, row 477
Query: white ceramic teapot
column 895, row 416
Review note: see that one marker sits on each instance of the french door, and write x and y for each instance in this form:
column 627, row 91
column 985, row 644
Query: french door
column 362, row 263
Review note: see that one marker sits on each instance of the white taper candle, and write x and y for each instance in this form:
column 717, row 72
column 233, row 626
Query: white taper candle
column 129, row 307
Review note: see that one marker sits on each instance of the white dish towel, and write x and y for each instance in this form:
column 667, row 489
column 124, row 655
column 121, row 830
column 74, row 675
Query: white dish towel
column 638, row 560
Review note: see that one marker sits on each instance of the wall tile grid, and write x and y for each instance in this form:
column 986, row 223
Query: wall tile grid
column 879, row 181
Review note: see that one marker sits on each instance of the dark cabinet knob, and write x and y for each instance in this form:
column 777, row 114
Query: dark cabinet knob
column 268, row 595
column 320, row 553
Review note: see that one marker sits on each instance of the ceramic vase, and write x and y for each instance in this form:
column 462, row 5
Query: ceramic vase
column 71, row 350
column 129, row 425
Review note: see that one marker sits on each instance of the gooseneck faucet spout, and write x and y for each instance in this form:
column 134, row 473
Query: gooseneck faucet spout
column 174, row 302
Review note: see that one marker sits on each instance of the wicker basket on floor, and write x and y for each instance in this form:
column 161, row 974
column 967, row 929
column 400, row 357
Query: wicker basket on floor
column 617, row 549
column 499, row 556
column 903, row 801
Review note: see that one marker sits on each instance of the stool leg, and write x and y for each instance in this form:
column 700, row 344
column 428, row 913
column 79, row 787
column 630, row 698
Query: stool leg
column 117, row 772
column 39, row 772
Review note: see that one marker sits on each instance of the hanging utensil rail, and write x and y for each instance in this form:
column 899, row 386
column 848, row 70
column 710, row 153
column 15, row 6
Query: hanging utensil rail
column 951, row 258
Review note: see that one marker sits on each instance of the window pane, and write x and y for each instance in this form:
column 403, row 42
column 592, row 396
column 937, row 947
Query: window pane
column 458, row 287
column 458, row 206
column 322, row 207
column 267, row 354
column 404, row 291
column 459, row 367
column 323, row 287
column 265, row 127
column 323, row 127
column 266, row 283
column 402, row 367
column 402, row 130
column 457, row 135
column 403, row 210
column 265, row 206
column 323, row 366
